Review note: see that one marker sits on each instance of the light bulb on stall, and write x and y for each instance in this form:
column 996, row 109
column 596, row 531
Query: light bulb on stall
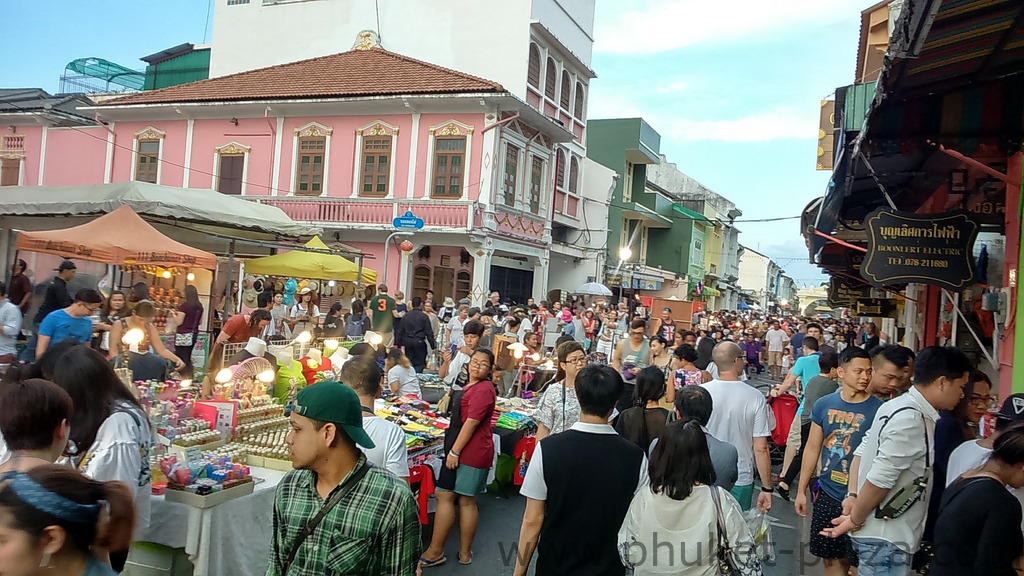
column 303, row 337
column 518, row 354
column 535, row 357
column 224, row 376
column 133, row 338
column 267, row 376
column 331, row 283
column 166, row 274
column 330, row 344
column 190, row 277
column 373, row 339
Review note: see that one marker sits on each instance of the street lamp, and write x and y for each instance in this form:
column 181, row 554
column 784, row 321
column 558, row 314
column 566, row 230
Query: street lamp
column 625, row 253
column 387, row 250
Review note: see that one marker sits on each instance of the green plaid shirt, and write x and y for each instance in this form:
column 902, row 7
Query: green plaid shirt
column 373, row 531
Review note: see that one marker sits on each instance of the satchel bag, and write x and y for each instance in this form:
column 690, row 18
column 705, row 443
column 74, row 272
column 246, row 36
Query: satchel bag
column 728, row 563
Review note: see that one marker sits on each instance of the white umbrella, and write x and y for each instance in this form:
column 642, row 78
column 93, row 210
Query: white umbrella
column 593, row 289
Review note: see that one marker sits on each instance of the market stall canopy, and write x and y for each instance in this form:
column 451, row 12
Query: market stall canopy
column 120, row 237
column 169, row 203
column 316, row 261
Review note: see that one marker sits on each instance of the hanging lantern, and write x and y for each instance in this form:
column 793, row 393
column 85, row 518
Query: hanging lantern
column 406, row 246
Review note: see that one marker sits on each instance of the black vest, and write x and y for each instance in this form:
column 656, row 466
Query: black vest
column 590, row 479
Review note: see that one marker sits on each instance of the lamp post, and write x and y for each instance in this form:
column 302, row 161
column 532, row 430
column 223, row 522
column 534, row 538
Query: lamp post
column 387, row 250
column 625, row 253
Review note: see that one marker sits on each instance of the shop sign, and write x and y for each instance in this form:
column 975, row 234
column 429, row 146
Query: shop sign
column 876, row 307
column 640, row 284
column 843, row 294
column 933, row 249
column 991, row 210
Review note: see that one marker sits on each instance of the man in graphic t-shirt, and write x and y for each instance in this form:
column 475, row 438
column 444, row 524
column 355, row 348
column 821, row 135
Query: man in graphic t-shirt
column 383, row 308
column 839, row 422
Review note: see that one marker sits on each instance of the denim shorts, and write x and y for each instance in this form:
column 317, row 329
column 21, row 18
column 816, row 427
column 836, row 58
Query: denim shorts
column 881, row 558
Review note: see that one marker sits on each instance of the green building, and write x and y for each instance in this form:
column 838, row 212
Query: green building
column 665, row 240
column 179, row 65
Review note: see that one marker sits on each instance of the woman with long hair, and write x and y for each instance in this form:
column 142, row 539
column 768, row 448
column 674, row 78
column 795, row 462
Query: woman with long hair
column 402, row 379
column 334, row 324
column 53, row 520
column 357, row 322
column 559, row 408
column 109, row 429
column 978, row 527
column 304, row 315
column 646, row 420
column 142, row 319
column 469, row 449
column 681, row 505
column 187, row 318
column 953, row 428
column 114, row 308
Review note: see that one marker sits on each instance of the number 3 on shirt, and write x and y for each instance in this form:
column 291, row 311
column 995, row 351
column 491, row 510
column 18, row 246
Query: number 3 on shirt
column 382, row 305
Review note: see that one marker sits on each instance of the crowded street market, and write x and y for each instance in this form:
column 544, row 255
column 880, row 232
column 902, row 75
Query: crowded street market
column 403, row 309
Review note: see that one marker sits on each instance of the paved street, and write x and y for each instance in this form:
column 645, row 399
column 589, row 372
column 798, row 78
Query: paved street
column 500, row 517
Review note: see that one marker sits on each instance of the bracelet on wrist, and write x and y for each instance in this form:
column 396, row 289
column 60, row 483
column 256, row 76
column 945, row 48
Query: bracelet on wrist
column 456, row 454
column 851, row 494
column 768, row 489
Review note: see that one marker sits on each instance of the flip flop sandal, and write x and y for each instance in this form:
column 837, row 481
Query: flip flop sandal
column 466, row 563
column 424, row 563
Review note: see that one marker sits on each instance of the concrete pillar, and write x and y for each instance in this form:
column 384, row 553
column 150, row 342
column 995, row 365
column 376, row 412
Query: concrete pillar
column 481, row 275
column 540, row 278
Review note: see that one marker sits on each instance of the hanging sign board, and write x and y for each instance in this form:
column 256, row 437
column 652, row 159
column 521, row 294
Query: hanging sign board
column 844, row 294
column 932, row 249
column 875, row 307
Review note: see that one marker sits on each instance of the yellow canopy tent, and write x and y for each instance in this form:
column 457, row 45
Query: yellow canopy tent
column 320, row 264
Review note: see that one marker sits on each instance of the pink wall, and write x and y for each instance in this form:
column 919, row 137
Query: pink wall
column 172, row 153
column 424, row 165
column 33, row 141
column 257, row 133
column 74, row 156
column 395, row 263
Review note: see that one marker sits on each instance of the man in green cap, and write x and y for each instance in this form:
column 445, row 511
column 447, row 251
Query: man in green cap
column 336, row 513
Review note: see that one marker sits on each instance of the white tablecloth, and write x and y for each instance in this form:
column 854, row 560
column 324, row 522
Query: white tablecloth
column 232, row 539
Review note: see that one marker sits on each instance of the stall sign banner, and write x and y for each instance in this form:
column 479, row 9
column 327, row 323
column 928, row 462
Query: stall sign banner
column 842, row 294
column 991, row 210
column 876, row 307
column 220, row 415
column 933, row 249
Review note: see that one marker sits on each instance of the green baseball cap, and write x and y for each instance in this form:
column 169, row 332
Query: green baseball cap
column 335, row 403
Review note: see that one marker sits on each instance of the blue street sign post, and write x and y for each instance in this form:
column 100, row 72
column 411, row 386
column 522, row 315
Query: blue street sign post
column 408, row 221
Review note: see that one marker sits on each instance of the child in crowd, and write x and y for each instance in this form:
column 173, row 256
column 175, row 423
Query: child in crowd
column 787, row 361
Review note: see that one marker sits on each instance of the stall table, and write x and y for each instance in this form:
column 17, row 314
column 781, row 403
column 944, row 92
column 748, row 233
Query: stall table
column 232, row 538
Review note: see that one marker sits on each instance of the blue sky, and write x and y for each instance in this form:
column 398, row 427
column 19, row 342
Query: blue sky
column 732, row 87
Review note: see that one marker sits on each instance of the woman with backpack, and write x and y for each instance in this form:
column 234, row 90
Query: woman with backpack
column 357, row 323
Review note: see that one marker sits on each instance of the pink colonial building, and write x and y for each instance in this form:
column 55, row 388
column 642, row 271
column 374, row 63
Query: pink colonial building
column 349, row 142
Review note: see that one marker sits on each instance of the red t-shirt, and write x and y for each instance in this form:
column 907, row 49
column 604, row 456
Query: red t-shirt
column 310, row 372
column 237, row 328
column 478, row 403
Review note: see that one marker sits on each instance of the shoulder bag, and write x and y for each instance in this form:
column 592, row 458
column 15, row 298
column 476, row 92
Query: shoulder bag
column 902, row 499
column 728, row 563
column 327, row 507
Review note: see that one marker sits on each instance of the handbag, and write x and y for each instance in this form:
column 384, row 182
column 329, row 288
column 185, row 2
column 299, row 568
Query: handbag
column 911, row 493
column 186, row 339
column 728, row 563
column 327, row 507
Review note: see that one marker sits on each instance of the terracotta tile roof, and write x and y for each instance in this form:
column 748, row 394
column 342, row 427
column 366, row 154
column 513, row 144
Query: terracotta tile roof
column 373, row 72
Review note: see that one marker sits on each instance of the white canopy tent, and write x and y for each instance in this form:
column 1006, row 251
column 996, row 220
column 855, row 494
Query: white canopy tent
column 151, row 201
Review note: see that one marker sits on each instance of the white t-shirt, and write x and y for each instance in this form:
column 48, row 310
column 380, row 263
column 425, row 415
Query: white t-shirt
column 455, row 325
column 296, row 312
column 739, row 413
column 457, row 364
column 389, row 449
column 969, row 456
column 121, row 452
column 408, row 383
column 777, row 340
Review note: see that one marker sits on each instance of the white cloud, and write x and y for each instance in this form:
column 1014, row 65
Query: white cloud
column 671, row 24
column 674, row 87
column 760, row 127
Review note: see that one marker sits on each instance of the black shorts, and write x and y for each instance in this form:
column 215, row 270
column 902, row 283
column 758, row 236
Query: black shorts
column 825, row 509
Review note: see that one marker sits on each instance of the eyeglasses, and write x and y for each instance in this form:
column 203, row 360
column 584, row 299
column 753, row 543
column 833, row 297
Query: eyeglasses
column 982, row 400
column 475, row 364
column 577, row 360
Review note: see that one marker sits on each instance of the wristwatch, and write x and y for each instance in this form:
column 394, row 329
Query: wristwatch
column 768, row 489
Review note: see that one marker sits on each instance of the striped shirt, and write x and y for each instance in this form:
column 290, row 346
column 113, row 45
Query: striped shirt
column 373, row 531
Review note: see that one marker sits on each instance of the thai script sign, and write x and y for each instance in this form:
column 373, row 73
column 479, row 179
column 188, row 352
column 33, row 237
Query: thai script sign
column 844, row 294
column 933, row 249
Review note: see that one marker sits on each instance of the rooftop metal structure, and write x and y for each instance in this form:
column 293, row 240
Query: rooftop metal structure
column 96, row 75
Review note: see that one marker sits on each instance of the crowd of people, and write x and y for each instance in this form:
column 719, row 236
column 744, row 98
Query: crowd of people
column 884, row 451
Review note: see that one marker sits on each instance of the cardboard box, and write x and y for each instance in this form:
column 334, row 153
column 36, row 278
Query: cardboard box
column 278, row 464
column 212, row 500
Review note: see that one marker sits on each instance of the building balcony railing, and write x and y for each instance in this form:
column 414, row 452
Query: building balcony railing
column 517, row 224
column 372, row 212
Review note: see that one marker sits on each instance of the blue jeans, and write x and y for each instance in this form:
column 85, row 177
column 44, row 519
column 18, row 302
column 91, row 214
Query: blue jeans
column 881, row 558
